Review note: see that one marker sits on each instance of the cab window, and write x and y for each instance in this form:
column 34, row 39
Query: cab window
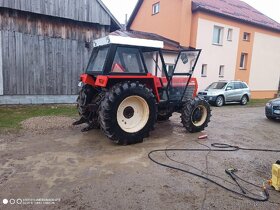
column 97, row 60
column 127, row 60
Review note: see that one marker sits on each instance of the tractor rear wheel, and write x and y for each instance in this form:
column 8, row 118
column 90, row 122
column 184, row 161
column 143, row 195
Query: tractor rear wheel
column 89, row 96
column 128, row 113
column 196, row 115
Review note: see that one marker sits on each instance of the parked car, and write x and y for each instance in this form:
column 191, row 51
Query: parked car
column 223, row 92
column 272, row 109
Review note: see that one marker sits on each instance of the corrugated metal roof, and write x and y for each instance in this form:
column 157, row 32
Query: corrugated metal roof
column 169, row 45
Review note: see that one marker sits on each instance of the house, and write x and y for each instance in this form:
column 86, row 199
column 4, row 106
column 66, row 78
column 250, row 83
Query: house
column 238, row 42
column 45, row 45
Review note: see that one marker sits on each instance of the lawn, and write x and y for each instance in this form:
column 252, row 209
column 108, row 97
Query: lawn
column 258, row 102
column 12, row 116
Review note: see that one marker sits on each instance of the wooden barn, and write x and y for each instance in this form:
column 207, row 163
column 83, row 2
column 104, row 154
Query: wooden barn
column 45, row 45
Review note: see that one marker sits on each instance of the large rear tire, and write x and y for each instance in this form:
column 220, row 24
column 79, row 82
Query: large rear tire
column 128, row 113
column 89, row 97
column 196, row 114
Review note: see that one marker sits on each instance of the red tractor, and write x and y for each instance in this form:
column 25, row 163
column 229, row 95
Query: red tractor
column 122, row 94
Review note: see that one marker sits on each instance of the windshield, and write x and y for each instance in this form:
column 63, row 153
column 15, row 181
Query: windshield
column 97, row 59
column 216, row 85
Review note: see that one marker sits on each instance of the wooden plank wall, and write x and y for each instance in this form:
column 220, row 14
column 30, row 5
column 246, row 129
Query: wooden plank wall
column 80, row 10
column 28, row 23
column 37, row 65
column 44, row 56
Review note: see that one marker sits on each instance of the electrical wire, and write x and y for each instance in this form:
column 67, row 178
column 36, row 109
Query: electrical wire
column 208, row 174
column 221, row 147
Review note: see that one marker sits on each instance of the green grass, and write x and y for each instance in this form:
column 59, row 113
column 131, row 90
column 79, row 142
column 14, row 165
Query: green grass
column 12, row 116
column 258, row 102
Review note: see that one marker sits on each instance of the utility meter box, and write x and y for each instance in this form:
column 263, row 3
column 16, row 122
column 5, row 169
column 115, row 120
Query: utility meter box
column 276, row 176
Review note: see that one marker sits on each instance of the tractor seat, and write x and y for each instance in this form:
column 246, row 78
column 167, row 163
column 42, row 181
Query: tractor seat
column 118, row 68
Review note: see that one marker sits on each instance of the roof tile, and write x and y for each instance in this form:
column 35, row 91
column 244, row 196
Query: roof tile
column 236, row 9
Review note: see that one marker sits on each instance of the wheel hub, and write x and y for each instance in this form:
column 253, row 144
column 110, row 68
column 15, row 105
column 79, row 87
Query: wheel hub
column 199, row 115
column 133, row 114
column 128, row 112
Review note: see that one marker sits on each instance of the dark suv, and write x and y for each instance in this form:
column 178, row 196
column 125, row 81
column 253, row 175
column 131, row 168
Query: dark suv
column 222, row 92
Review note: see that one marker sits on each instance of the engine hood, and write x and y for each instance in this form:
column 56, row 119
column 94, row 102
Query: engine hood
column 275, row 101
column 213, row 92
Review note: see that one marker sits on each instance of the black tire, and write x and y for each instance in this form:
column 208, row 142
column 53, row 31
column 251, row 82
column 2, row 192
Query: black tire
column 190, row 111
column 220, row 101
column 94, row 115
column 108, row 113
column 89, row 96
column 244, row 100
column 270, row 118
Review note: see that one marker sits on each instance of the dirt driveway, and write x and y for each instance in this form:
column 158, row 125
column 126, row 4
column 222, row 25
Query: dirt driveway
column 87, row 171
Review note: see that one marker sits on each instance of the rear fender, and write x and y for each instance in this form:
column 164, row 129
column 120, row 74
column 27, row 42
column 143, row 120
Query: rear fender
column 150, row 81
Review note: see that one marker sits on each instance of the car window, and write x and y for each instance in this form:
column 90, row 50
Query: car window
column 243, row 85
column 217, row 85
column 230, row 85
column 237, row 85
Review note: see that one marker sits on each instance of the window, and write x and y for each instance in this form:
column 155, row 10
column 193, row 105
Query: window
column 243, row 61
column 127, row 60
column 217, row 85
column 229, row 35
column 222, row 71
column 97, row 59
column 243, row 85
column 204, row 70
column 230, row 86
column 156, row 8
column 246, row 36
column 237, row 85
column 218, row 35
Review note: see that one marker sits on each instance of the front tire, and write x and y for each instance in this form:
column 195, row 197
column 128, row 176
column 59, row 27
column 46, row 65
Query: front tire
column 270, row 118
column 128, row 113
column 196, row 114
column 219, row 101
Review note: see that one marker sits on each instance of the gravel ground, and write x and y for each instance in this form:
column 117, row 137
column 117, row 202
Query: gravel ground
column 43, row 125
column 50, row 159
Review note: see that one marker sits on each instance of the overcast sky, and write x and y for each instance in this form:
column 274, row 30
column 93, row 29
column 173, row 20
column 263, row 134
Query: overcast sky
column 119, row 8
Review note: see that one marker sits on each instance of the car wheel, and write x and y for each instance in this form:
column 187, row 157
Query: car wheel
column 244, row 100
column 270, row 118
column 219, row 101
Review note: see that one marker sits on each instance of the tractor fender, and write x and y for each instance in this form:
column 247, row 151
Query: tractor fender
column 151, row 82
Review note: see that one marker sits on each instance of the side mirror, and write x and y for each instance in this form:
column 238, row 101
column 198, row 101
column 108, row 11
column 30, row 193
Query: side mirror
column 229, row 88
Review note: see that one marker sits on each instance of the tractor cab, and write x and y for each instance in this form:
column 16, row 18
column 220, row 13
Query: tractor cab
column 116, row 56
column 127, row 87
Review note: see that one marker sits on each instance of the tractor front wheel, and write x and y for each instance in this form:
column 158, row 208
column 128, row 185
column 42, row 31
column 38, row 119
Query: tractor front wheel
column 196, row 115
column 128, row 113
